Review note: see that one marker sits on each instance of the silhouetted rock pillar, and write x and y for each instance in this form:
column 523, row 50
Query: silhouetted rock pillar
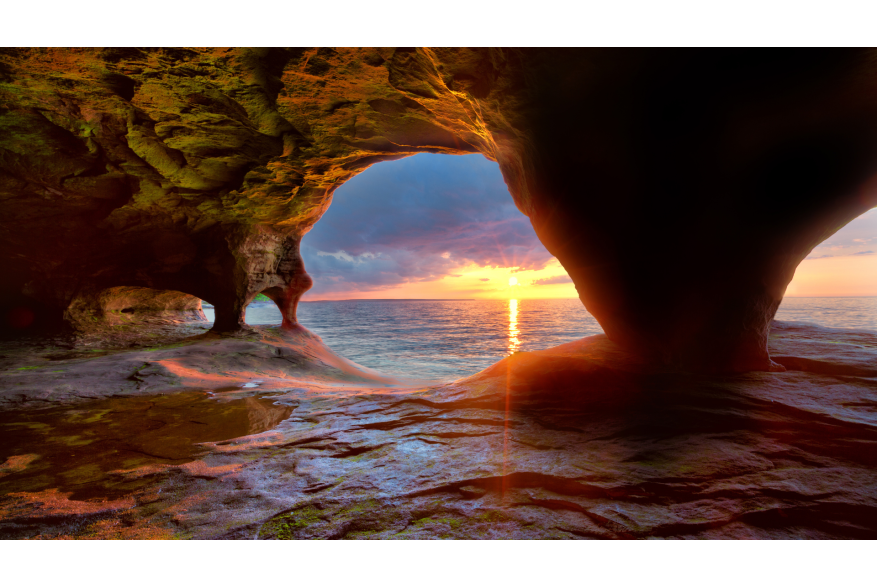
column 681, row 189
column 229, row 313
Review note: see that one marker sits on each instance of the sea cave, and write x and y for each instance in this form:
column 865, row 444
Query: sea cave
column 680, row 189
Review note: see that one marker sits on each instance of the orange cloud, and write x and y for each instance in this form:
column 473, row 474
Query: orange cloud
column 473, row 281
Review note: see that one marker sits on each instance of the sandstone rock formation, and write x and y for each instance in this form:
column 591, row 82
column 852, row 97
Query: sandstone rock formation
column 680, row 189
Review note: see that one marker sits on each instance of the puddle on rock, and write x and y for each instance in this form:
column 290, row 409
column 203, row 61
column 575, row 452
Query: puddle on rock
column 75, row 449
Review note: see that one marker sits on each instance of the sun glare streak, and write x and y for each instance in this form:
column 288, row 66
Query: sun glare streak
column 514, row 343
column 505, row 432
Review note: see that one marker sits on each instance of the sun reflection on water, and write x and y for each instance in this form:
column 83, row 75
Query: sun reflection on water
column 514, row 343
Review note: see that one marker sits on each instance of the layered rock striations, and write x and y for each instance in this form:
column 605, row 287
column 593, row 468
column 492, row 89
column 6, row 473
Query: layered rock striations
column 680, row 189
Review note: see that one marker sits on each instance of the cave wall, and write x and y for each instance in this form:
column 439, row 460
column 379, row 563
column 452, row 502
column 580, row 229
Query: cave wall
column 679, row 188
column 199, row 170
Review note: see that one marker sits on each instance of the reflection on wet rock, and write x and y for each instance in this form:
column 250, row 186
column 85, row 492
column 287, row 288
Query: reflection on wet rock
column 583, row 440
column 80, row 450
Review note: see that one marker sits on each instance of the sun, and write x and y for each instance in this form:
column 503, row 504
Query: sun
column 513, row 281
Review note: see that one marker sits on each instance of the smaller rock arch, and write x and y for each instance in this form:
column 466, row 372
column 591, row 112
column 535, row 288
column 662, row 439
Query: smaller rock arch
column 122, row 307
column 271, row 264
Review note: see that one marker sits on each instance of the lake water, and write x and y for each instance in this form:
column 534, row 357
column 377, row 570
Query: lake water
column 448, row 339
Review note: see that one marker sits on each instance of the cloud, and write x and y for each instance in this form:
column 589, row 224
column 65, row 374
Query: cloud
column 850, row 240
column 418, row 219
column 812, row 257
column 553, row 280
column 344, row 256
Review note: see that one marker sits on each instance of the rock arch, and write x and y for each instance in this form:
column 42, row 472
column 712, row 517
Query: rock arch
column 679, row 188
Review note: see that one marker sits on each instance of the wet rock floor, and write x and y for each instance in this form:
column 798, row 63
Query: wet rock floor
column 579, row 441
column 85, row 450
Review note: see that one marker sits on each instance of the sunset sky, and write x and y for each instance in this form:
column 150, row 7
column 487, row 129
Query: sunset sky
column 439, row 226
column 843, row 265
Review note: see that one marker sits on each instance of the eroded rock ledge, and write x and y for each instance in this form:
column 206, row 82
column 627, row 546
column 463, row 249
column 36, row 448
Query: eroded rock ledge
column 584, row 440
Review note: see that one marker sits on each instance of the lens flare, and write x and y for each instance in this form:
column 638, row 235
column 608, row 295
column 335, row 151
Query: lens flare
column 514, row 343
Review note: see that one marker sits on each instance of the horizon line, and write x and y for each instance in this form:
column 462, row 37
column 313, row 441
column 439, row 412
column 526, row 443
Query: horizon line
column 476, row 299
column 398, row 300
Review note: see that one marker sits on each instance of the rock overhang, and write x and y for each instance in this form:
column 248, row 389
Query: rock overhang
column 680, row 189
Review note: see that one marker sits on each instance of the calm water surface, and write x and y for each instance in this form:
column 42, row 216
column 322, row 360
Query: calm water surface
column 447, row 339
column 852, row 313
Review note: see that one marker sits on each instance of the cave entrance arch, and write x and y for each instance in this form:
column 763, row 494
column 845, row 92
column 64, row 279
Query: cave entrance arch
column 434, row 208
column 426, row 227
